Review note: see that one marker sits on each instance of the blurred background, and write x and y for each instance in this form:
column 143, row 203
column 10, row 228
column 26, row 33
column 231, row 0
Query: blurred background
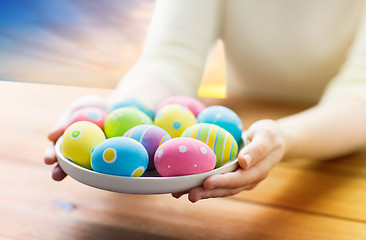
column 82, row 43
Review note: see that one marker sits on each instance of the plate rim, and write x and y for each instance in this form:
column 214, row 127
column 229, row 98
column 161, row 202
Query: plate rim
column 82, row 175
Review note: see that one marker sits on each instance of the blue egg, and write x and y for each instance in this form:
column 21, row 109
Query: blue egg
column 134, row 102
column 223, row 117
column 120, row 156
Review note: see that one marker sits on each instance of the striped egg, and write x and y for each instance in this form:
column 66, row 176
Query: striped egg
column 218, row 139
column 150, row 136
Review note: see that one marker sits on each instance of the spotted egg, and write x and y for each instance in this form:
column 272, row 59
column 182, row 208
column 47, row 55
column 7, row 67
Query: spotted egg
column 184, row 156
column 218, row 139
column 191, row 103
column 174, row 118
column 136, row 103
column 223, row 117
column 90, row 114
column 122, row 119
column 120, row 156
column 151, row 137
column 79, row 140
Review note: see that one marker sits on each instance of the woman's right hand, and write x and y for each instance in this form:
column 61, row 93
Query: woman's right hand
column 50, row 155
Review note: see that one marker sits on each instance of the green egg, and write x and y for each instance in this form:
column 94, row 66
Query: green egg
column 122, row 119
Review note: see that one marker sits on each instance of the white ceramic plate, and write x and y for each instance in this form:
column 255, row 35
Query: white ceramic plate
column 149, row 183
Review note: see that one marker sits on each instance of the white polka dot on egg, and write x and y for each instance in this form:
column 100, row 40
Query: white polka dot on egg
column 182, row 148
column 160, row 153
column 203, row 150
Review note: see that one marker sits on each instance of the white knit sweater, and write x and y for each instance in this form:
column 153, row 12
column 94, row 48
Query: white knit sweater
column 287, row 50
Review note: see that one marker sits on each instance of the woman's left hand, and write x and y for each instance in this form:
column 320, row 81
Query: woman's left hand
column 265, row 148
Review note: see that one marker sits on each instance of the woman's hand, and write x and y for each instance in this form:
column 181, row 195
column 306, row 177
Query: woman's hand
column 265, row 147
column 50, row 155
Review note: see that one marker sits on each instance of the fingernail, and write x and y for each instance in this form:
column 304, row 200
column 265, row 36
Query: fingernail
column 248, row 159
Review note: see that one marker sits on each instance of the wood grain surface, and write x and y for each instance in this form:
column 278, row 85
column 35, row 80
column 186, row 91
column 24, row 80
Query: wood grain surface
column 300, row 199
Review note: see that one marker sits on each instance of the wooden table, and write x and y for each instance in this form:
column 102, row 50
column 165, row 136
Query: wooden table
column 299, row 200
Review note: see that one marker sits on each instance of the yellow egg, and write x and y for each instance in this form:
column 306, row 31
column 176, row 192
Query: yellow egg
column 79, row 140
column 174, row 118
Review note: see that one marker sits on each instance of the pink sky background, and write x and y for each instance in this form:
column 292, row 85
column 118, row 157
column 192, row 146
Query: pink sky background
column 83, row 43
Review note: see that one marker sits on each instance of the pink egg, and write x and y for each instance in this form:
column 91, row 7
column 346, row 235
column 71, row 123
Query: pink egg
column 184, row 156
column 89, row 114
column 189, row 102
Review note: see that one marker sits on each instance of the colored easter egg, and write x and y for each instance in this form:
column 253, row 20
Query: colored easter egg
column 90, row 114
column 184, row 156
column 136, row 103
column 189, row 102
column 223, row 117
column 174, row 119
column 120, row 156
column 121, row 120
column 218, row 139
column 151, row 137
column 79, row 139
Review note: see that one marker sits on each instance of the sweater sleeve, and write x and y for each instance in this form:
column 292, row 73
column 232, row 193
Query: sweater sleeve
column 351, row 80
column 179, row 40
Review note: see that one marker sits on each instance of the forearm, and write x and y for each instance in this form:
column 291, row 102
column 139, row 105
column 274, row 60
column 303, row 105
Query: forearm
column 330, row 129
column 180, row 38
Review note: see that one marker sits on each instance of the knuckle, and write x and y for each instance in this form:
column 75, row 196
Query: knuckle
column 259, row 150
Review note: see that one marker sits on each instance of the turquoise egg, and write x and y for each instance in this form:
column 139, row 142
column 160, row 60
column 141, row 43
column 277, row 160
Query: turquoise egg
column 120, row 156
column 223, row 117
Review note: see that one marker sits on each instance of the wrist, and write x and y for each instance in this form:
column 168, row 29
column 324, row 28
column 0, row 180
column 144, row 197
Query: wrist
column 288, row 138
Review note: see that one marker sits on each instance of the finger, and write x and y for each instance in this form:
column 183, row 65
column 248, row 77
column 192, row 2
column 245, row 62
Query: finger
column 256, row 150
column 50, row 155
column 245, row 138
column 58, row 174
column 199, row 193
column 240, row 177
column 251, row 186
column 179, row 194
column 55, row 134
